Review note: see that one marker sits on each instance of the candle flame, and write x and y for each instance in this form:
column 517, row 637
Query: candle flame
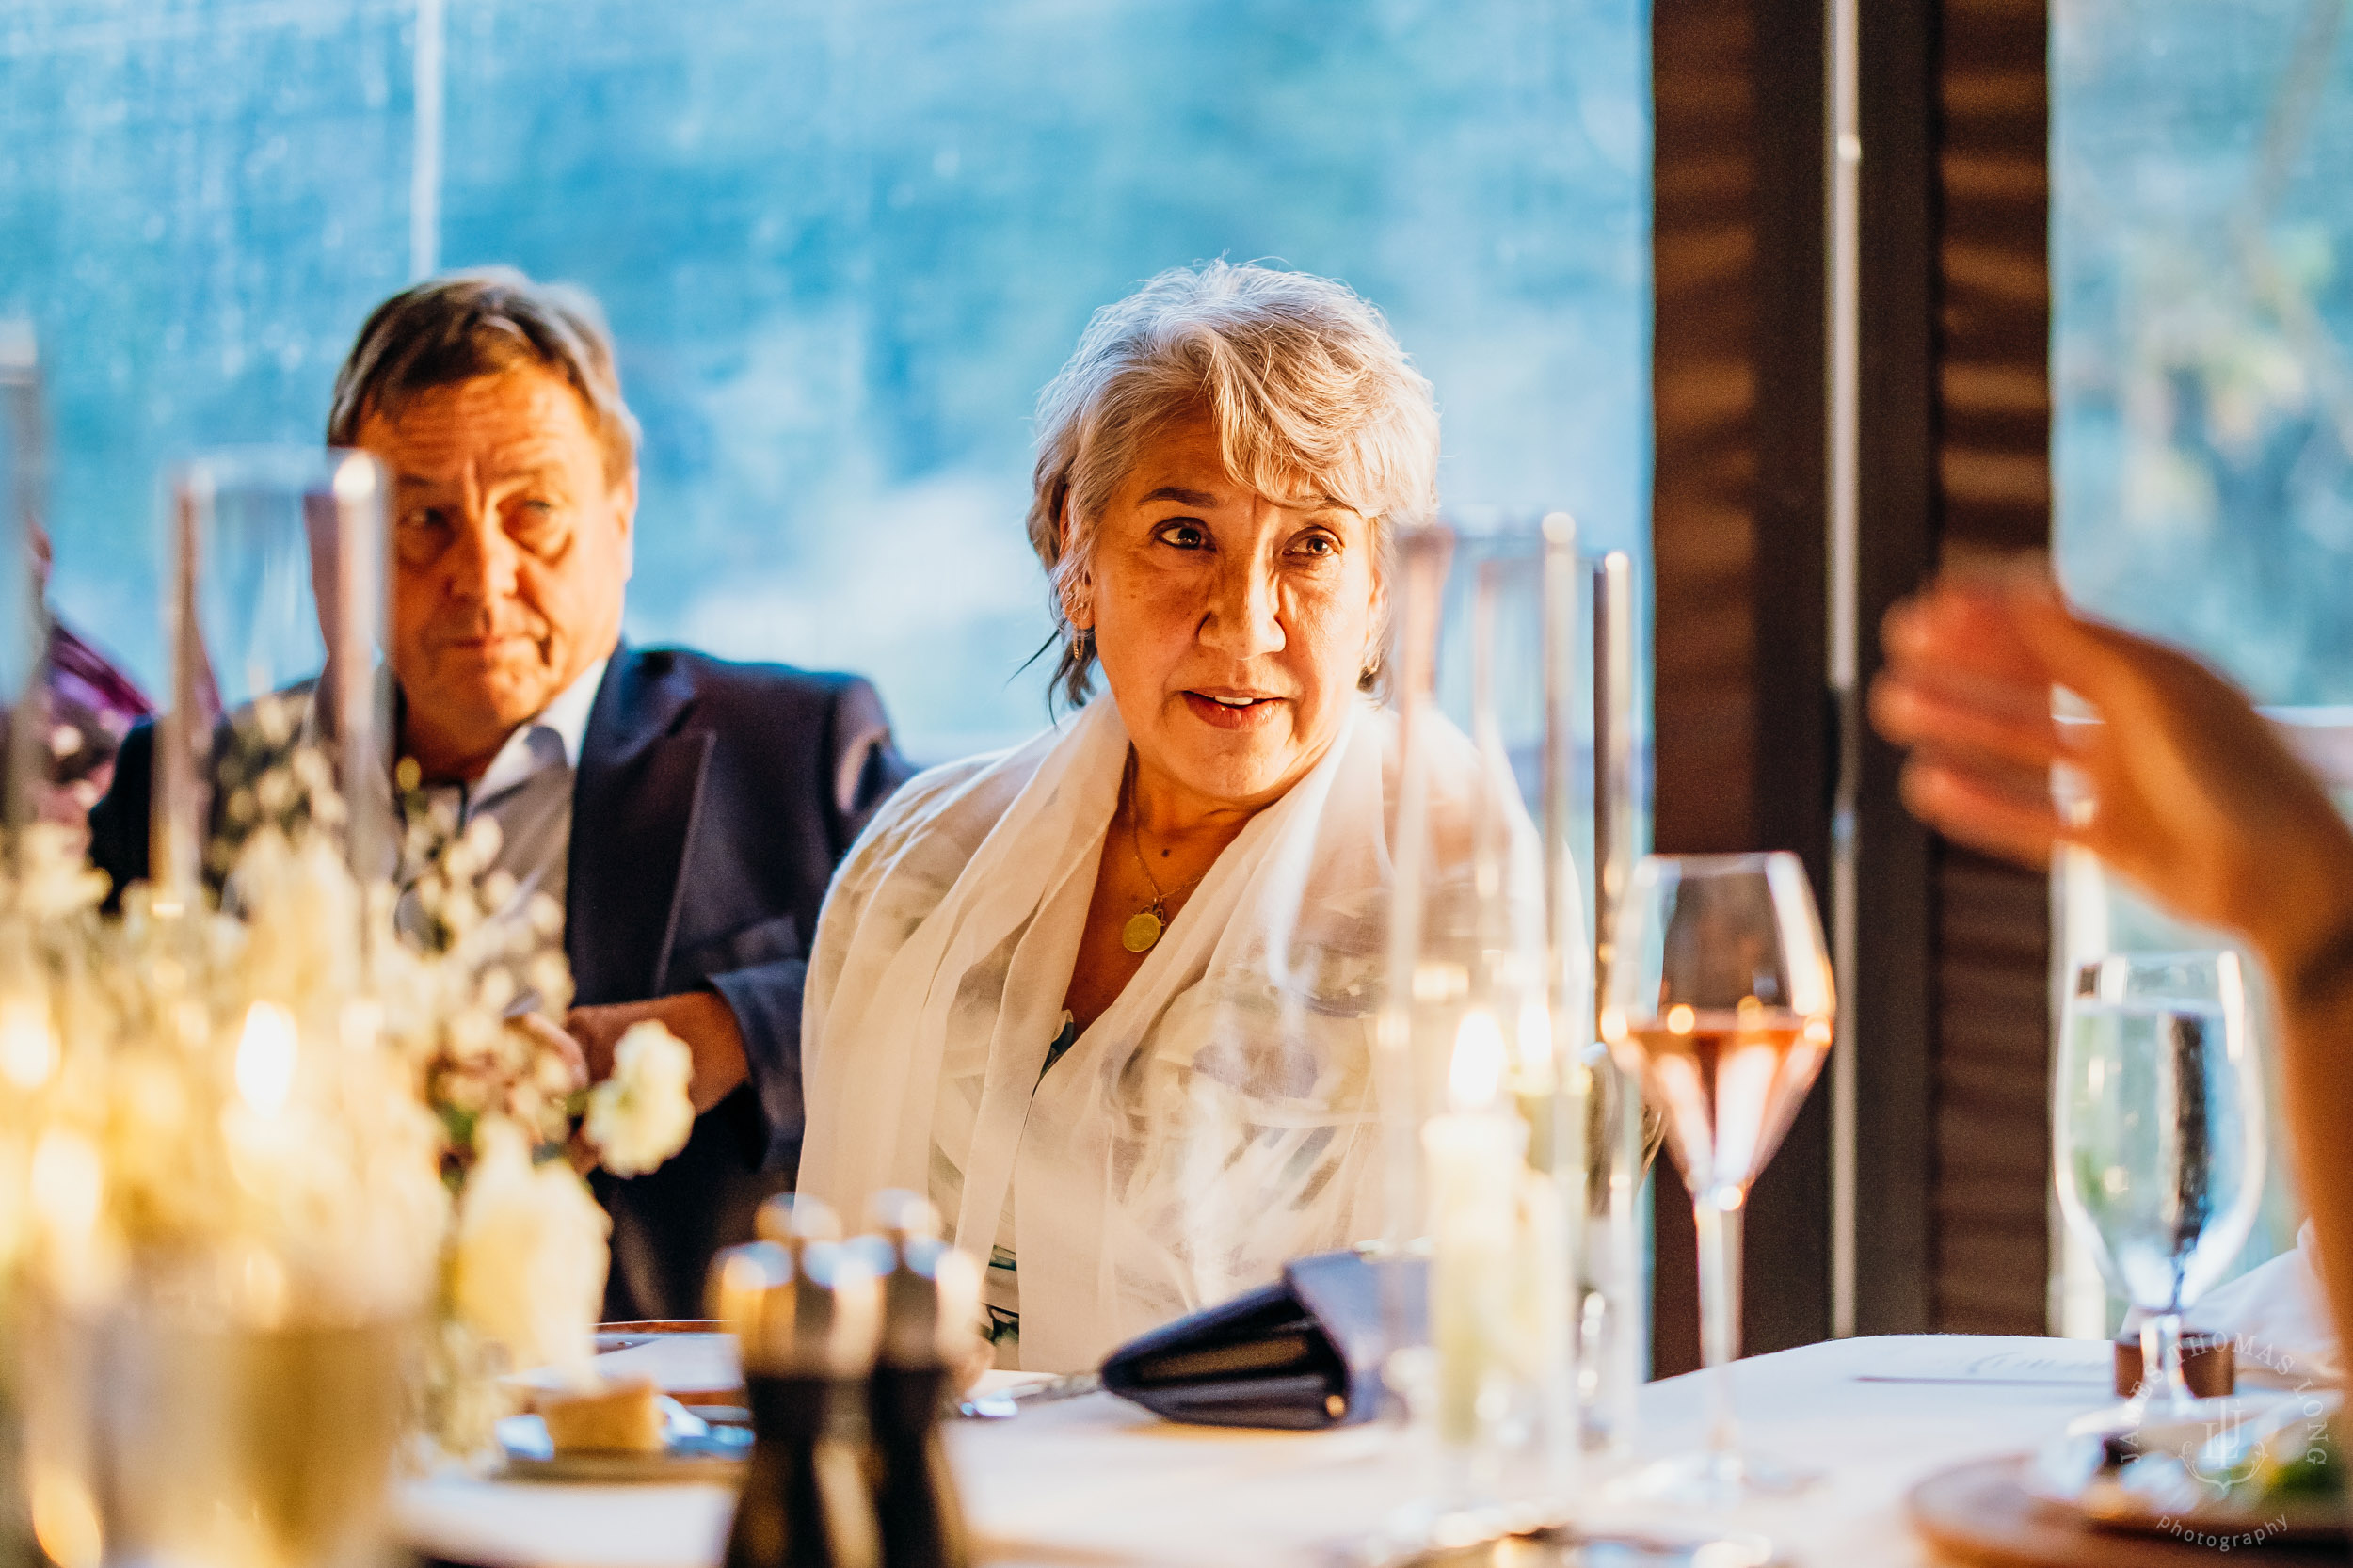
column 65, row 1517
column 1533, row 1045
column 68, row 1180
column 28, row 1046
column 265, row 1057
column 1477, row 1071
column 363, row 1024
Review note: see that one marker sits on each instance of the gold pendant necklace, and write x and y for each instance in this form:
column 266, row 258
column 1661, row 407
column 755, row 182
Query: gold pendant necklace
column 1143, row 928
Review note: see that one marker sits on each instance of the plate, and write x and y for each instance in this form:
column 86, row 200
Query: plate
column 697, row 1451
column 1981, row 1514
column 693, row 1367
column 1564, row 1546
column 622, row 1336
column 2220, row 1480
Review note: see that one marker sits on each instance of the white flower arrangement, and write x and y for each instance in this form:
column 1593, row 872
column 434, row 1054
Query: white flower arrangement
column 527, row 1269
column 640, row 1115
column 309, row 1104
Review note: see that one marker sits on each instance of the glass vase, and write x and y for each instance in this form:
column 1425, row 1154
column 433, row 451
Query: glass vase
column 460, row 1397
column 1485, row 1086
column 275, row 613
column 166, row 1429
column 28, row 1048
column 1622, row 1136
column 24, row 629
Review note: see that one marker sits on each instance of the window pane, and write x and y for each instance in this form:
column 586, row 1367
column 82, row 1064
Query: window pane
column 198, row 207
column 2203, row 409
column 843, row 246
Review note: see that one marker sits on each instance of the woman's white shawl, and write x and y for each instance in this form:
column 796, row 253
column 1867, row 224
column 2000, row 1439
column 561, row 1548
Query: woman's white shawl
column 1216, row 1121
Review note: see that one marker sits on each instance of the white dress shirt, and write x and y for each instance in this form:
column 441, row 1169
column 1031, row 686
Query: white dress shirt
column 527, row 790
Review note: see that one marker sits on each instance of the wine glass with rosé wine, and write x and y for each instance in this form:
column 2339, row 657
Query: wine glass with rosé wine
column 1719, row 1002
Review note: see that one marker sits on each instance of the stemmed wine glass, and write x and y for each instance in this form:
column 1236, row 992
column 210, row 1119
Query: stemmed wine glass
column 1719, row 1000
column 2157, row 1111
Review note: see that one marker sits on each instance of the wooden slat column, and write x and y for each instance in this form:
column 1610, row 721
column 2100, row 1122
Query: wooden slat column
column 1742, row 739
column 1702, row 522
column 1991, row 1259
column 1951, row 994
column 1947, row 1002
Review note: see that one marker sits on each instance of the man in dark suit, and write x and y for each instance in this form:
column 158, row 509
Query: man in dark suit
column 685, row 811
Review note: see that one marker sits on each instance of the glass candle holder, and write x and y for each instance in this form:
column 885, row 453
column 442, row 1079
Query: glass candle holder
column 1489, row 1005
column 1622, row 1136
column 274, row 614
column 24, row 627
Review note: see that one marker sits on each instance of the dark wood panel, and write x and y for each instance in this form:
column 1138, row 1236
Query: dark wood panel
column 1892, row 996
column 1993, row 1116
column 1742, row 742
column 1992, row 1120
column 1703, row 523
column 1947, row 1001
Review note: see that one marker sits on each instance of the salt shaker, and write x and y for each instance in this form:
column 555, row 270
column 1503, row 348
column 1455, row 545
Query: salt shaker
column 806, row 1314
column 931, row 1296
column 792, row 1220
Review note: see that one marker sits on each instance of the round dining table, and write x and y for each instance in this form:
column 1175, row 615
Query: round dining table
column 1093, row 1483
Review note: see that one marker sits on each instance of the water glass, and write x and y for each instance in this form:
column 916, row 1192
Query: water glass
column 2157, row 1119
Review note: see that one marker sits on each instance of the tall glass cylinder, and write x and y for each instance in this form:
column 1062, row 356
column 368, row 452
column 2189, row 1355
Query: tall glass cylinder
column 1489, row 1005
column 275, row 616
column 234, row 1210
column 1613, row 1316
column 27, row 1046
column 23, row 627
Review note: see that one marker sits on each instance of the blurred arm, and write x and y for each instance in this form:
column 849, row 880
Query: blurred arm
column 744, row 1023
column 2192, row 797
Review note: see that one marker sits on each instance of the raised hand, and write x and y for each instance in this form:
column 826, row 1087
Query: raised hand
column 2178, row 784
column 700, row 1019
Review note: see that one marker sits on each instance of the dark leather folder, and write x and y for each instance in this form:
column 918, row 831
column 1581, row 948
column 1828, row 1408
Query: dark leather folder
column 1302, row 1354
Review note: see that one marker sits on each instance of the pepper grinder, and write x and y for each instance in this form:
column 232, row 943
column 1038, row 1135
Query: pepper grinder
column 931, row 1296
column 806, row 1314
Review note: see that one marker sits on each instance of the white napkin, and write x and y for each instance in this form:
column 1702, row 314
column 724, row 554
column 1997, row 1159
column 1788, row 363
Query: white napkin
column 2279, row 1320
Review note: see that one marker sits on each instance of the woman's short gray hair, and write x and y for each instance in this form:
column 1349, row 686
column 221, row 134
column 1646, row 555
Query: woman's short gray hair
column 1306, row 385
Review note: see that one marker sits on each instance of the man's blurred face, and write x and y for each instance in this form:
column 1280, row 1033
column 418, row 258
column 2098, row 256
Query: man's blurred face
column 511, row 546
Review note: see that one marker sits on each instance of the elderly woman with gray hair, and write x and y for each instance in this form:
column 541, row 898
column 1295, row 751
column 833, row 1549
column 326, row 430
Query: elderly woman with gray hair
column 1109, row 997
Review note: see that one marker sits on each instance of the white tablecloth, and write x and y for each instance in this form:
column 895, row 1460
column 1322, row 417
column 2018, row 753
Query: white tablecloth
column 1095, row 1482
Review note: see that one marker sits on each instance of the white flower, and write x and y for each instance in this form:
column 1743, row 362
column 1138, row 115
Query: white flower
column 56, row 879
column 496, row 990
column 480, row 842
column 640, row 1117
column 498, row 889
column 551, row 979
column 531, row 1254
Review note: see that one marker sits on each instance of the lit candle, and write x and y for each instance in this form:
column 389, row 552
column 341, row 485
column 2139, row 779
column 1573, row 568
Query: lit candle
column 1475, row 1155
column 28, row 1045
column 266, row 1056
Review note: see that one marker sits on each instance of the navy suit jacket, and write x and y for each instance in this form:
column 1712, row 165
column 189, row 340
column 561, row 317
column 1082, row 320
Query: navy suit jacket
column 711, row 802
